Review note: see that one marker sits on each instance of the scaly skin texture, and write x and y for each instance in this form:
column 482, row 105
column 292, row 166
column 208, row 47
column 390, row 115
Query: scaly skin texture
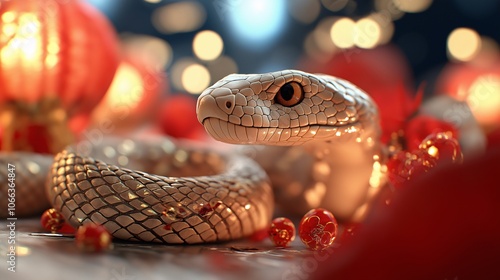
column 24, row 174
column 233, row 199
column 333, row 158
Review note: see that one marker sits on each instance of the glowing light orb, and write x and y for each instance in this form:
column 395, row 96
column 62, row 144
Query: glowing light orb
column 255, row 23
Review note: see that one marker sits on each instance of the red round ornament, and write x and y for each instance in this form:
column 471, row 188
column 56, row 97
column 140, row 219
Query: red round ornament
column 92, row 238
column 442, row 147
column 318, row 229
column 187, row 126
column 282, row 232
column 57, row 61
column 52, row 220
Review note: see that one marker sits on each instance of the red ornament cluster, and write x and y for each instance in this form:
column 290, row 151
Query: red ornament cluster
column 437, row 148
column 282, row 232
column 317, row 230
column 92, row 238
column 442, row 147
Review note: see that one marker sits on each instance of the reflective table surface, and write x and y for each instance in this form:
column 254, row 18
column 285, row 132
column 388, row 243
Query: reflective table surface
column 44, row 256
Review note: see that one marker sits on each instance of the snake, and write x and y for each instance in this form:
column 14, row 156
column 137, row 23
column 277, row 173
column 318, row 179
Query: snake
column 309, row 140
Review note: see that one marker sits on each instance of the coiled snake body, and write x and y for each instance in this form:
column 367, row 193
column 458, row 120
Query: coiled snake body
column 321, row 137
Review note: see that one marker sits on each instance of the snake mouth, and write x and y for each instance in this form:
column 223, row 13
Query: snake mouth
column 228, row 132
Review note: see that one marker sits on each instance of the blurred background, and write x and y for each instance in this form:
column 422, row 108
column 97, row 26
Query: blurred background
column 258, row 36
column 448, row 46
column 172, row 50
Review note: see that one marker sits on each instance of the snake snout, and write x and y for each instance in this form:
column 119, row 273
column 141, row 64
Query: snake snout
column 218, row 103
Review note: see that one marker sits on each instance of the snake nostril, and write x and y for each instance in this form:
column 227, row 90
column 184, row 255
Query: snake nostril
column 229, row 104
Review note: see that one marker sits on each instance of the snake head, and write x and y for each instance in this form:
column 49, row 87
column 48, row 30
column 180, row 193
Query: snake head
column 285, row 108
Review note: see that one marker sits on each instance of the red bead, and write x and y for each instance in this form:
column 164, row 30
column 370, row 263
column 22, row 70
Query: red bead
column 442, row 147
column 52, row 220
column 92, row 238
column 318, row 229
column 282, row 232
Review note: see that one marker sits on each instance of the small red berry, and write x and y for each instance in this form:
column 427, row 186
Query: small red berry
column 282, row 232
column 92, row 238
column 52, row 220
column 318, row 229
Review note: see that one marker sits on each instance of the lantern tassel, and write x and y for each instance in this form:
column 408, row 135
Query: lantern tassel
column 16, row 117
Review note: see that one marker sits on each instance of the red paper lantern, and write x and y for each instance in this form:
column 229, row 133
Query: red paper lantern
column 133, row 96
column 478, row 84
column 65, row 49
column 57, row 59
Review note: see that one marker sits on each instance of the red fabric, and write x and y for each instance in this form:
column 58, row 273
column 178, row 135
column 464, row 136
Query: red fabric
column 443, row 226
column 494, row 138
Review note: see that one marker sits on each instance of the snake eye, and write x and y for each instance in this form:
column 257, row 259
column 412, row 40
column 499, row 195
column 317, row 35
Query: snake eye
column 290, row 94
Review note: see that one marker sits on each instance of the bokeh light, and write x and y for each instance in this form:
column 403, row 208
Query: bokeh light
column 177, row 70
column 321, row 35
column 367, row 33
column 179, row 17
column 153, row 52
column 304, row 11
column 412, row 6
column 463, row 44
column 342, row 33
column 318, row 44
column 221, row 67
column 387, row 8
column 195, row 78
column 127, row 88
column 386, row 27
column 484, row 99
column 207, row 45
column 255, row 24
column 106, row 6
column 334, row 5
